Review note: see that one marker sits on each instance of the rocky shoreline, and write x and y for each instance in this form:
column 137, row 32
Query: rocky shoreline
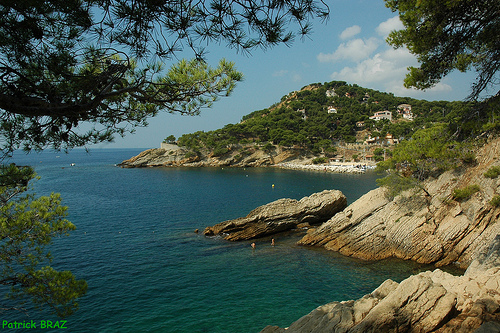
column 427, row 225
column 427, row 302
column 335, row 168
column 281, row 158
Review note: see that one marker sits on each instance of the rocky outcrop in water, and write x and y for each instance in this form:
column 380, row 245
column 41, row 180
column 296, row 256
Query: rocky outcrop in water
column 428, row 302
column 237, row 156
column 281, row 215
column 425, row 226
column 430, row 226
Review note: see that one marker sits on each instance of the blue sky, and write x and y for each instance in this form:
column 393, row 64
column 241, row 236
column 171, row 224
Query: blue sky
column 349, row 47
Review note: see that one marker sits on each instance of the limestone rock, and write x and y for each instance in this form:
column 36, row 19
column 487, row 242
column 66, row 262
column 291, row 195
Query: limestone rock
column 427, row 302
column 424, row 226
column 281, row 215
column 237, row 156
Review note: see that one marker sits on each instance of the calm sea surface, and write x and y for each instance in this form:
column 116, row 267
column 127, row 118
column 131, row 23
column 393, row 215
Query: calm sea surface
column 148, row 271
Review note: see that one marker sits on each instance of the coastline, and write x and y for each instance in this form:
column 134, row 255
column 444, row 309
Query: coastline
column 284, row 159
column 345, row 167
column 428, row 225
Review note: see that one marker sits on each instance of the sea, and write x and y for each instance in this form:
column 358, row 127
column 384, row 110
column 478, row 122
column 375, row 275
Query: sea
column 149, row 271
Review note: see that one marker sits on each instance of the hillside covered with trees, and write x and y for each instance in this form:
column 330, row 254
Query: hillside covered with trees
column 321, row 117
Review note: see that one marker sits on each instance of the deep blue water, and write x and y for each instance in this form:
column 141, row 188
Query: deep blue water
column 148, row 271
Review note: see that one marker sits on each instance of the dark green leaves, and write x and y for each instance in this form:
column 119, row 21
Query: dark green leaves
column 27, row 225
column 450, row 35
column 63, row 63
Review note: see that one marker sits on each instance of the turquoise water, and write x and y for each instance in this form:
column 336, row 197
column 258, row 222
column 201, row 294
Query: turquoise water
column 148, row 271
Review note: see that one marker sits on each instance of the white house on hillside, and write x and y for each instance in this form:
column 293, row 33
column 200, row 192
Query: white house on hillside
column 332, row 109
column 405, row 111
column 382, row 115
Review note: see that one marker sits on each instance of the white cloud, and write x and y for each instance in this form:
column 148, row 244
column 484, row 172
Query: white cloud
column 391, row 24
column 383, row 66
column 350, row 32
column 386, row 71
column 280, row 73
column 354, row 50
column 296, row 77
column 435, row 92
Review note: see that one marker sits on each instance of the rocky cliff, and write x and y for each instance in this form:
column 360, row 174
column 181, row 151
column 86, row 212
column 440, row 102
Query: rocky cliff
column 281, row 215
column 425, row 226
column 237, row 156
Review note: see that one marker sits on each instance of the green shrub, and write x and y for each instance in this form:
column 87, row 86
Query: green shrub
column 495, row 201
column 190, row 154
column 468, row 157
column 395, row 184
column 492, row 172
column 219, row 151
column 465, row 193
column 268, row 147
column 320, row 160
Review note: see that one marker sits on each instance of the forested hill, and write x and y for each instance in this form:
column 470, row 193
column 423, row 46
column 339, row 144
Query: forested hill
column 321, row 116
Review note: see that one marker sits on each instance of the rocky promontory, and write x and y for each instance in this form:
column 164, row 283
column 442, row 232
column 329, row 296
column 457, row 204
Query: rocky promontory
column 236, row 156
column 281, row 215
column 426, row 224
column 171, row 155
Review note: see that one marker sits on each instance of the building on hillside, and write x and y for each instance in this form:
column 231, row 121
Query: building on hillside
column 366, row 98
column 389, row 140
column 332, row 109
column 382, row 115
column 360, row 124
column 405, row 111
column 404, row 107
column 337, row 159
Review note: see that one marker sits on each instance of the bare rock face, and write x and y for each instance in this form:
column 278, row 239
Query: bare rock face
column 428, row 302
column 281, row 215
column 236, row 156
column 425, row 226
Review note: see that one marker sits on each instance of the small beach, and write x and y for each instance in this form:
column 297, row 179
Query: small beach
column 339, row 167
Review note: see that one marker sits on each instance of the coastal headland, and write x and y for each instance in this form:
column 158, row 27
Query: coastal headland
column 427, row 224
column 244, row 157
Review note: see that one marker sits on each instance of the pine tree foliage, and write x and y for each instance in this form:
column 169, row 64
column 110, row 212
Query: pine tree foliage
column 102, row 62
column 27, row 226
column 450, row 35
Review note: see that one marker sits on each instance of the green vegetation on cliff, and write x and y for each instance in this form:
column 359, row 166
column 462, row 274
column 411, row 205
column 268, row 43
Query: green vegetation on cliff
column 320, row 116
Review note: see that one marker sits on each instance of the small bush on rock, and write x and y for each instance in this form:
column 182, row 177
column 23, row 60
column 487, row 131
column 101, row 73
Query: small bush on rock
column 465, row 193
column 495, row 201
column 492, row 172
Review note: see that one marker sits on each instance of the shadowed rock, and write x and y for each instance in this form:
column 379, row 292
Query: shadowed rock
column 281, row 215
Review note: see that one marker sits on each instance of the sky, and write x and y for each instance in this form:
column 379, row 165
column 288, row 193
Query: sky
column 349, row 47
